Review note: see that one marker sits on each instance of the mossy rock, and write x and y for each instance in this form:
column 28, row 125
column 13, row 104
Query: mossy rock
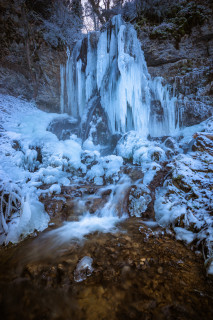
column 184, row 19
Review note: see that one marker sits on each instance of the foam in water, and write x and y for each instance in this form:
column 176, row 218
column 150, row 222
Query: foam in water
column 104, row 220
column 111, row 65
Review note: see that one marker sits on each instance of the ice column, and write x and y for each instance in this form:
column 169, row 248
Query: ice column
column 62, row 76
column 111, row 65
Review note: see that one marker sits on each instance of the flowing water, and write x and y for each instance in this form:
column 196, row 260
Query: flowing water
column 137, row 270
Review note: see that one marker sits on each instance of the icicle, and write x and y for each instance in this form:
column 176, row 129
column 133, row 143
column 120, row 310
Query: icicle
column 111, row 65
column 62, row 75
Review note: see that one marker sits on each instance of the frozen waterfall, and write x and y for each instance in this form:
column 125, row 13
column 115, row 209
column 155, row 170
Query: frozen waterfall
column 110, row 65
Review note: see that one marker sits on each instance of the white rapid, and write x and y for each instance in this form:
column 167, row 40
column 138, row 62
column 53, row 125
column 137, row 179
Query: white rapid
column 104, row 220
column 110, row 64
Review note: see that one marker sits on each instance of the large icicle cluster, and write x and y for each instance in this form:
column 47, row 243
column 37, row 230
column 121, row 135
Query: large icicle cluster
column 110, row 64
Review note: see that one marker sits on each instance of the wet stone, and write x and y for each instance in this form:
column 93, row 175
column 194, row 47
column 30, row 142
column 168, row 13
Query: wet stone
column 125, row 270
column 160, row 270
column 83, row 269
column 134, row 172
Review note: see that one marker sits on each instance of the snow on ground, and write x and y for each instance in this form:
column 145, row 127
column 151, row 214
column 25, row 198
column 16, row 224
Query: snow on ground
column 142, row 152
column 31, row 156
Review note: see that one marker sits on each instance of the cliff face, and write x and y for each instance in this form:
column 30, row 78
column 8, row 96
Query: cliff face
column 32, row 49
column 180, row 49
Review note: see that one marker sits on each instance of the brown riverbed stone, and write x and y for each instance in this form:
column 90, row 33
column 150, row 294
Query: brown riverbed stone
column 132, row 279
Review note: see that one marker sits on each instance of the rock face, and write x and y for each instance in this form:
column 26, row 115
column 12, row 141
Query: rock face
column 187, row 193
column 32, row 49
column 178, row 46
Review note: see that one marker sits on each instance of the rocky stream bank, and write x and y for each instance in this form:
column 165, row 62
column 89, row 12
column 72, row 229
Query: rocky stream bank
column 137, row 272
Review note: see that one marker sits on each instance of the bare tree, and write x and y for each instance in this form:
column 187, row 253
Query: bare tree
column 97, row 10
column 107, row 4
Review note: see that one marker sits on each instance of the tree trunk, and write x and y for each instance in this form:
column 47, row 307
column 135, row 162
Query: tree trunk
column 96, row 10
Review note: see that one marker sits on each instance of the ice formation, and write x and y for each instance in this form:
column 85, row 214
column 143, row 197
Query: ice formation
column 111, row 65
column 31, row 156
column 83, row 269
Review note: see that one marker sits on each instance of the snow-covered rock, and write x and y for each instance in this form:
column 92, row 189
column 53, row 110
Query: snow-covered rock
column 186, row 199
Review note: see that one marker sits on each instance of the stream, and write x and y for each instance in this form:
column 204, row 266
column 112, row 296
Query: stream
column 135, row 270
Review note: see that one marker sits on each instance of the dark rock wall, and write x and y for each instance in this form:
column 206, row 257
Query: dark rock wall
column 32, row 49
column 179, row 47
